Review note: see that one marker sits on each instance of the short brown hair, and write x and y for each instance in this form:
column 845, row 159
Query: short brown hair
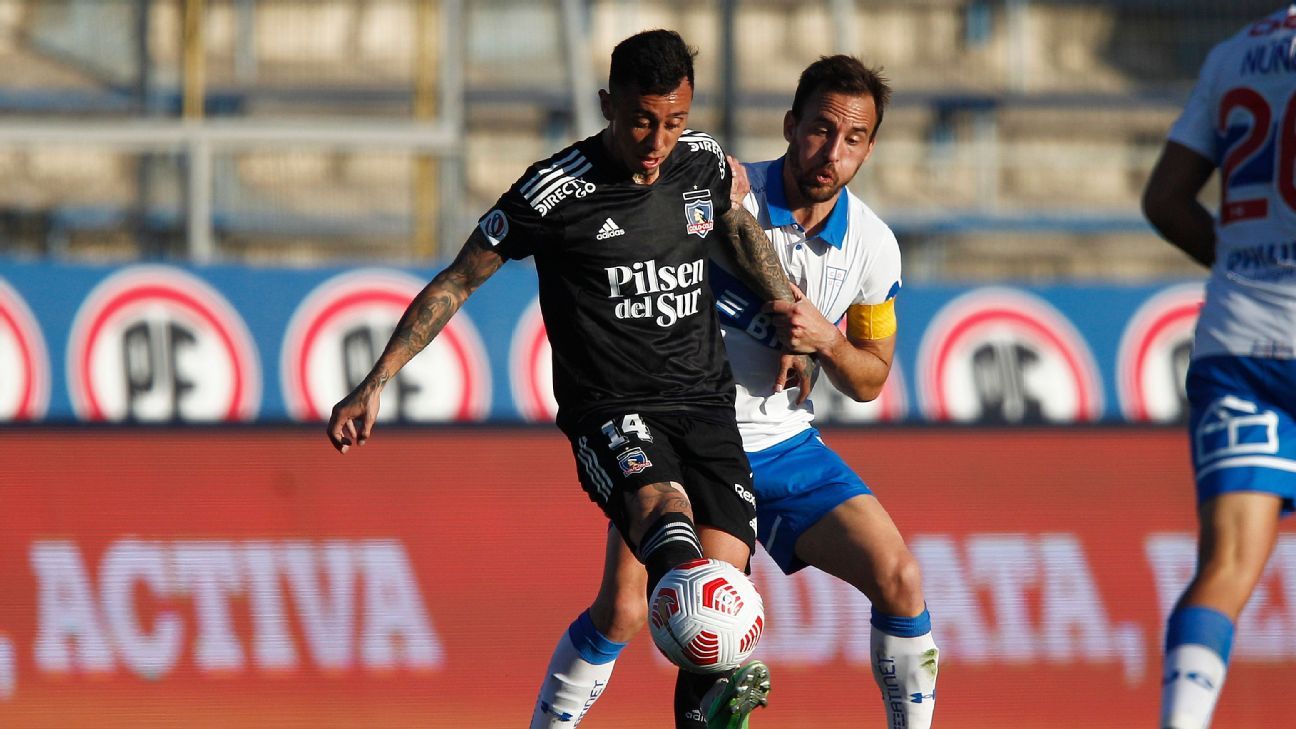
column 845, row 75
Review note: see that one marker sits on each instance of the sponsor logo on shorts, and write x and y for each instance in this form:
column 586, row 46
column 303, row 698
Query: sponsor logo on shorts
column 1232, row 426
column 633, row 461
column 745, row 494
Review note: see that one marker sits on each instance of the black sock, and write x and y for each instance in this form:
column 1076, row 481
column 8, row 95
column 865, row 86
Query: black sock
column 669, row 542
column 689, row 690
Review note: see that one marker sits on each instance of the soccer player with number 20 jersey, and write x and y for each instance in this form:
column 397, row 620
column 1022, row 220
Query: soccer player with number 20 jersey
column 1241, row 120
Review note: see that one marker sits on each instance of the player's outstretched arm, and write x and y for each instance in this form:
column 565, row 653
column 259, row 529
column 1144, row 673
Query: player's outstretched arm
column 354, row 415
column 1171, row 205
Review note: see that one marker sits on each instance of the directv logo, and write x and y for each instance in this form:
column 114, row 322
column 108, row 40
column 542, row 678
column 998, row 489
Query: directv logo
column 609, row 230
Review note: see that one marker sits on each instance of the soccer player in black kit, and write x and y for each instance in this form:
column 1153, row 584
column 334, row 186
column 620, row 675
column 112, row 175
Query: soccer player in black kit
column 619, row 225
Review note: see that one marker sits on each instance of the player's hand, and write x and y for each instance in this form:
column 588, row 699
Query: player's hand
column 800, row 326
column 353, row 417
column 741, row 186
column 795, row 370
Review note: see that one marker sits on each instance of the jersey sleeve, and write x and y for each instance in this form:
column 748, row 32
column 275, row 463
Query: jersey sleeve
column 706, row 168
column 1195, row 127
column 723, row 186
column 881, row 280
column 513, row 227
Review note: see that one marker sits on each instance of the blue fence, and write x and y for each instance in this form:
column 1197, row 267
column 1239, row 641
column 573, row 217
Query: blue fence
column 161, row 343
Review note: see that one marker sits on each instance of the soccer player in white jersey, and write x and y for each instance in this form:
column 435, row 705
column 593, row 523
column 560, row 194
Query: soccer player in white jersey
column 1241, row 119
column 812, row 509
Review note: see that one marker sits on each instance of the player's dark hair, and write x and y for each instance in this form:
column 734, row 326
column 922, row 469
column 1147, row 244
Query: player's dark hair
column 651, row 62
column 844, row 75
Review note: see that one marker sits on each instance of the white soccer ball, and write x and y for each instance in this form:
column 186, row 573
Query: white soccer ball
column 706, row 616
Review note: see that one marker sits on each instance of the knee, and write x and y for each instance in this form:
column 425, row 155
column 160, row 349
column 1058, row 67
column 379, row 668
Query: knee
column 629, row 614
column 1228, row 575
column 900, row 585
column 620, row 616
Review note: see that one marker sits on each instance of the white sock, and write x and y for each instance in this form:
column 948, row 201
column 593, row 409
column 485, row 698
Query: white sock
column 1194, row 675
column 905, row 670
column 578, row 673
column 1198, row 642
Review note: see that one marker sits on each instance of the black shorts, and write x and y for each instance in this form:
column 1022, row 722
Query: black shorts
column 617, row 455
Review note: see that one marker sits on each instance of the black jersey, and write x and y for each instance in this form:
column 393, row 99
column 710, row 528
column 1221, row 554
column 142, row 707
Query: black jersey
column 622, row 275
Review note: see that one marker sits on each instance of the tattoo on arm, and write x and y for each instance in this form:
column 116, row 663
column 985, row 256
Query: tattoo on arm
column 673, row 496
column 755, row 254
column 429, row 312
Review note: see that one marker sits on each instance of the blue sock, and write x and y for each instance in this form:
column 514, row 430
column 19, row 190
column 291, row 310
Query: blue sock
column 1197, row 645
column 1200, row 626
column 919, row 624
column 593, row 646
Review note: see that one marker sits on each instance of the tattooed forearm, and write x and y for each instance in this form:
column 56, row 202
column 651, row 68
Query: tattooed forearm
column 755, row 255
column 429, row 312
column 423, row 320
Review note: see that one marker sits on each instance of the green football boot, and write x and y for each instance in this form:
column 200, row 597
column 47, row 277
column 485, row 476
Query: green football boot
column 729, row 703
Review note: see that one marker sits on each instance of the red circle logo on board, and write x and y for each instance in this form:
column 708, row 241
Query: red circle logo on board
column 25, row 387
column 1152, row 362
column 340, row 329
column 531, row 367
column 158, row 344
column 998, row 355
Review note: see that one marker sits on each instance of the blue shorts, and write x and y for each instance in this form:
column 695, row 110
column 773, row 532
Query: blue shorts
column 797, row 483
column 1241, row 423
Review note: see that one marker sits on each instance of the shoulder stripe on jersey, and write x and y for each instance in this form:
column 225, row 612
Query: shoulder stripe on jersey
column 702, row 142
column 547, row 171
column 560, row 180
column 546, row 175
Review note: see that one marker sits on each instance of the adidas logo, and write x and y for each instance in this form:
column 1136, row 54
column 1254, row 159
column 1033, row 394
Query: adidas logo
column 609, row 230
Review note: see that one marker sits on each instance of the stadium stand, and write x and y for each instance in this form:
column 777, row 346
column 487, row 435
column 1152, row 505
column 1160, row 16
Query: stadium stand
column 1019, row 138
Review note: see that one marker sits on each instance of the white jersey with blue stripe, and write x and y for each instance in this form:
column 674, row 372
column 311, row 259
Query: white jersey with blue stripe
column 854, row 259
column 1242, row 116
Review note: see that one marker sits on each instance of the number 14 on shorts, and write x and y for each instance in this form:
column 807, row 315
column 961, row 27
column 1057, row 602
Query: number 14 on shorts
column 630, row 423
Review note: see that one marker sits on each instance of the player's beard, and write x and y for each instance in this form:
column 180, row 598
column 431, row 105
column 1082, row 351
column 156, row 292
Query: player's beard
column 815, row 192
